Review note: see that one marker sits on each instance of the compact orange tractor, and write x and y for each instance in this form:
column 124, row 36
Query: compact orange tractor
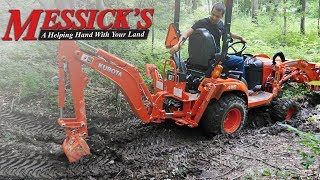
column 197, row 92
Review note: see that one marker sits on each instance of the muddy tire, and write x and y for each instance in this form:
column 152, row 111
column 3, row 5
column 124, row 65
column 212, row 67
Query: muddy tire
column 283, row 110
column 224, row 116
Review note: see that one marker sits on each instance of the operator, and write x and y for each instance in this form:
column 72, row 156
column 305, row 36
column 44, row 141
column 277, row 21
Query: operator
column 215, row 26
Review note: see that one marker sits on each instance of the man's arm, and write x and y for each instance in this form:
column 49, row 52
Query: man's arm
column 182, row 39
column 235, row 36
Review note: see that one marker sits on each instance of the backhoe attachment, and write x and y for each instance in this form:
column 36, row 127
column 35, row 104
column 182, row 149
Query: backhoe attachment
column 125, row 75
column 74, row 145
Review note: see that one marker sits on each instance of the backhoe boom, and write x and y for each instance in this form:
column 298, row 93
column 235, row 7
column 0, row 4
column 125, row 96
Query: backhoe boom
column 125, row 75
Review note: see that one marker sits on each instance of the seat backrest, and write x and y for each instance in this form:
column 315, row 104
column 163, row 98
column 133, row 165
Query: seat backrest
column 202, row 49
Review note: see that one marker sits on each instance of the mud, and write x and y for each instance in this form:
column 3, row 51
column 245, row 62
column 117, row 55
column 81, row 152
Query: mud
column 125, row 148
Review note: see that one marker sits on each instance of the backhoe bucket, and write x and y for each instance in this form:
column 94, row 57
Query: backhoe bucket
column 75, row 147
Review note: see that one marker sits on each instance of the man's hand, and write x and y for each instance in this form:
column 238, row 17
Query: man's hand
column 174, row 49
column 182, row 39
column 243, row 39
column 235, row 36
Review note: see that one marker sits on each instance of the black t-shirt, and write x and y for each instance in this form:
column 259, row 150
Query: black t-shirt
column 215, row 29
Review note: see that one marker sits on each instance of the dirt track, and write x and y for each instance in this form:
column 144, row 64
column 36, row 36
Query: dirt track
column 128, row 149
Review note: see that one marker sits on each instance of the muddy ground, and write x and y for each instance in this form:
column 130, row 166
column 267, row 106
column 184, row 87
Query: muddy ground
column 125, row 148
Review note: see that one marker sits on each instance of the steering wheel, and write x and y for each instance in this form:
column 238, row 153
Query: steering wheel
column 237, row 52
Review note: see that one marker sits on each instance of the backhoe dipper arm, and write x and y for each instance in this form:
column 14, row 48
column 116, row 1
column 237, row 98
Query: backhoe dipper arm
column 125, row 75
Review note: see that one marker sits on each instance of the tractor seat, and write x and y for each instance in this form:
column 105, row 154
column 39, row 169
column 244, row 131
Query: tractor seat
column 201, row 61
column 202, row 50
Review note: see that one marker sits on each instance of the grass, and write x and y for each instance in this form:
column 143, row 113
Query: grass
column 27, row 68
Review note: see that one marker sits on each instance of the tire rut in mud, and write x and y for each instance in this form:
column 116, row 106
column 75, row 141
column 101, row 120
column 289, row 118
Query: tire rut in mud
column 28, row 165
column 31, row 126
column 29, row 147
column 125, row 148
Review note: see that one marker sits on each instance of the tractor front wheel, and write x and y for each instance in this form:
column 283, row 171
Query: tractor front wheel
column 226, row 115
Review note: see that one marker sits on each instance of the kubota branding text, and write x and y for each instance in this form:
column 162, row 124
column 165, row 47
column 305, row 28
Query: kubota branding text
column 109, row 69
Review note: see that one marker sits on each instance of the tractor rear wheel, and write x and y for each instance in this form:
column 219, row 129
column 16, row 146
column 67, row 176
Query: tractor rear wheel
column 283, row 110
column 226, row 115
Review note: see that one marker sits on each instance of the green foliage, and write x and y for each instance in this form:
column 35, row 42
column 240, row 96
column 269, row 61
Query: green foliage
column 266, row 37
column 293, row 7
column 32, row 85
column 25, row 70
column 307, row 159
column 312, row 119
column 312, row 9
column 266, row 173
column 293, row 90
column 314, row 83
column 310, row 140
column 245, row 6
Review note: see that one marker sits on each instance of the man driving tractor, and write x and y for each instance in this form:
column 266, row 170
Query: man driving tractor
column 215, row 26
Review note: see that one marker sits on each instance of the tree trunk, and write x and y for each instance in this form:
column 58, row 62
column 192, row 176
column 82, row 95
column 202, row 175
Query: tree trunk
column 212, row 3
column 194, row 5
column 46, row 5
column 319, row 19
column 254, row 10
column 209, row 10
column 61, row 4
column 100, row 4
column 72, row 4
column 303, row 17
column 284, row 21
column 176, row 18
column 271, row 9
column 237, row 6
column 268, row 6
column 57, row 4
column 189, row 5
column 152, row 31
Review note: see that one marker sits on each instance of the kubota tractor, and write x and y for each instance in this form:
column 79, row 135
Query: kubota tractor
column 197, row 92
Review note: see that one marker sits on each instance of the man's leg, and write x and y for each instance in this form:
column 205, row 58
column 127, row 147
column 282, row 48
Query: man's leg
column 235, row 62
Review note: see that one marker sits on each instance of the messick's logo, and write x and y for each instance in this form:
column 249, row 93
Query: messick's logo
column 71, row 22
